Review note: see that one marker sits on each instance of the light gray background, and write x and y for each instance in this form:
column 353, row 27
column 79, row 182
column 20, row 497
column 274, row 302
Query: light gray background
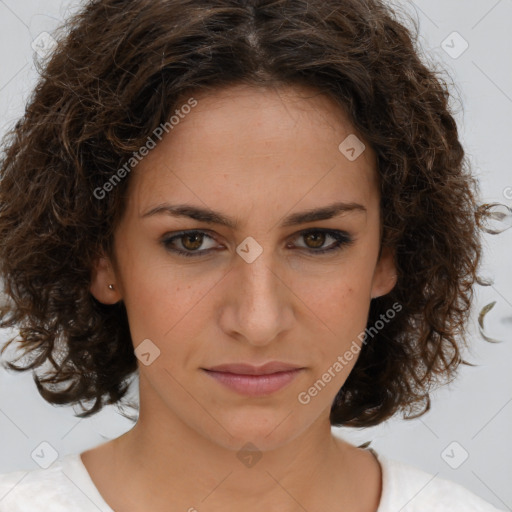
column 476, row 411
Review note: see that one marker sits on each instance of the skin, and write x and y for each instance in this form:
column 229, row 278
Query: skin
column 256, row 155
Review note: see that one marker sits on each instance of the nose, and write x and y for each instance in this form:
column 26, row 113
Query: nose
column 257, row 306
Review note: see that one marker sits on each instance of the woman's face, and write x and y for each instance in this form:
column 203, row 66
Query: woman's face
column 256, row 289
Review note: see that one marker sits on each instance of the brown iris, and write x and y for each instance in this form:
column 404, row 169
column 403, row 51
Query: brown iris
column 196, row 238
column 317, row 237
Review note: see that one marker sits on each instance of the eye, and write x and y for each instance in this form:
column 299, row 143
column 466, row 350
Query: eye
column 190, row 242
column 316, row 238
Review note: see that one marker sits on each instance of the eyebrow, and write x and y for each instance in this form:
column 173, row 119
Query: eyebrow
column 212, row 217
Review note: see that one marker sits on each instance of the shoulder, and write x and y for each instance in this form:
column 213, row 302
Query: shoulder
column 412, row 490
column 59, row 488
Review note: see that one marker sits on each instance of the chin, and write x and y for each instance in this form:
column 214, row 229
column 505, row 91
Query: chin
column 266, row 430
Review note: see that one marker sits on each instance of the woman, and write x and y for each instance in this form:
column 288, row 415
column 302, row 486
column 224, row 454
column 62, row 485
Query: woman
column 264, row 209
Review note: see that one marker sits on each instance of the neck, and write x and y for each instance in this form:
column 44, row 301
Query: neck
column 165, row 461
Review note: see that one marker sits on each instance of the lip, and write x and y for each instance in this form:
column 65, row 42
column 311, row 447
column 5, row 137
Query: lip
column 252, row 380
column 249, row 369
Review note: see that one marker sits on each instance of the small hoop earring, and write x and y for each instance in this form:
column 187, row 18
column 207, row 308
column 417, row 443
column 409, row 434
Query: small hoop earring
column 111, row 286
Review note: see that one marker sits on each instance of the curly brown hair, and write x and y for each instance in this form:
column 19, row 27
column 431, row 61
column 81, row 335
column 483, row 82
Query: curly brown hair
column 118, row 72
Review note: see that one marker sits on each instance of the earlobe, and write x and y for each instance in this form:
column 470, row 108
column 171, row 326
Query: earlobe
column 385, row 275
column 103, row 287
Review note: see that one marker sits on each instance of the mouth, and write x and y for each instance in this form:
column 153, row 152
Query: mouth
column 252, row 380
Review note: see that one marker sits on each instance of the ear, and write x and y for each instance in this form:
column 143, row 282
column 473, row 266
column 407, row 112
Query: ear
column 385, row 276
column 102, row 276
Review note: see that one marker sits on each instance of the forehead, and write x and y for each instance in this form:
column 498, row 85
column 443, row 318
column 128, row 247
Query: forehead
column 260, row 146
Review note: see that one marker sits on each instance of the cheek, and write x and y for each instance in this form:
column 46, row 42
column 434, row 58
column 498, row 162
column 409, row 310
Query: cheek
column 149, row 292
column 342, row 297
column 346, row 315
column 167, row 306
column 340, row 306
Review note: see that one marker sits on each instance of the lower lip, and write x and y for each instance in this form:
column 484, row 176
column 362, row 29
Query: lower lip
column 255, row 385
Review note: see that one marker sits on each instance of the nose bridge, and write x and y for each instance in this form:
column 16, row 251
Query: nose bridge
column 260, row 303
column 259, row 284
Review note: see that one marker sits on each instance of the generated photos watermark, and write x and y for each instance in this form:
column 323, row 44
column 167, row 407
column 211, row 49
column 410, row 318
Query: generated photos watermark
column 115, row 179
column 304, row 397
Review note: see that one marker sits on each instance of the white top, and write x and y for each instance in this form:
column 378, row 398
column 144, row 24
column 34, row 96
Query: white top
column 66, row 486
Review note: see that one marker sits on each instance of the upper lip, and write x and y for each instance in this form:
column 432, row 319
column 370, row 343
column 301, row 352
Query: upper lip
column 249, row 369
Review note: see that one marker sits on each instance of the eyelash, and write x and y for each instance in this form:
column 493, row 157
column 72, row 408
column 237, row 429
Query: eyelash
column 342, row 238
